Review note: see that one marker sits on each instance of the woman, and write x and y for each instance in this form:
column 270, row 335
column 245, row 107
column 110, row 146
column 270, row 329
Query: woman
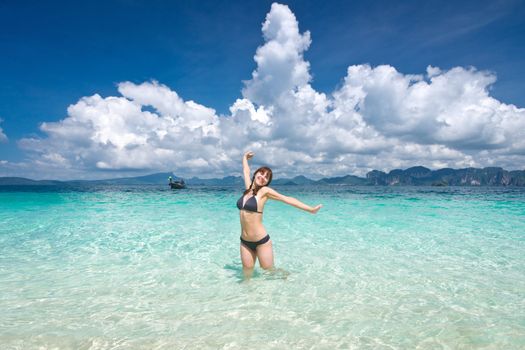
column 255, row 242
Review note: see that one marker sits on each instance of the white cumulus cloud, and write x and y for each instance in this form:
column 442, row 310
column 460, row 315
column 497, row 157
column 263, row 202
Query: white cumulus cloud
column 115, row 133
column 379, row 118
column 452, row 108
column 280, row 63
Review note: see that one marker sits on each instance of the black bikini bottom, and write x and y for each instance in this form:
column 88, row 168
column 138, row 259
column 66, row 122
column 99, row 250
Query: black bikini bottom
column 253, row 245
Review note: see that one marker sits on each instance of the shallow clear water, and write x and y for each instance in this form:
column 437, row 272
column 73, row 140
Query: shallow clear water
column 376, row 268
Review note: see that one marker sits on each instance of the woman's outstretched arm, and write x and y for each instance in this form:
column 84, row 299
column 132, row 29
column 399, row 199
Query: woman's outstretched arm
column 246, row 168
column 273, row 194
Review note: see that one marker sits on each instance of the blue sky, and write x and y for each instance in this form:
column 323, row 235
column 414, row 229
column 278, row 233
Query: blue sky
column 55, row 53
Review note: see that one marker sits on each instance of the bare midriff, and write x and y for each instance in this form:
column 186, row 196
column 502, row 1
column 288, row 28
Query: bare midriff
column 252, row 228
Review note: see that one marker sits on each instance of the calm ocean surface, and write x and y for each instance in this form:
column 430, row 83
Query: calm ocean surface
column 377, row 268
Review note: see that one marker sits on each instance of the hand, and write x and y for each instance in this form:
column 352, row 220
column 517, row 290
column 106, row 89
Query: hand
column 316, row 209
column 249, row 155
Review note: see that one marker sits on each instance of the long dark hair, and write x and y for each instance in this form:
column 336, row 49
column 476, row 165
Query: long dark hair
column 257, row 188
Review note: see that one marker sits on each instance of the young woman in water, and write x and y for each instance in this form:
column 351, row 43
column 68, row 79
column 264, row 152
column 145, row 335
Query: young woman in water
column 255, row 242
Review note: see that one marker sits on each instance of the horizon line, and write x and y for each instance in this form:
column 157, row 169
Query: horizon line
column 240, row 176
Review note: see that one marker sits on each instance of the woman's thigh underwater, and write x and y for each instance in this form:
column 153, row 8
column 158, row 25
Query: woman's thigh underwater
column 265, row 255
column 248, row 256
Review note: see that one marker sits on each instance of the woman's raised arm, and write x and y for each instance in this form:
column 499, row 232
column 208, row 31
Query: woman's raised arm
column 246, row 168
column 273, row 194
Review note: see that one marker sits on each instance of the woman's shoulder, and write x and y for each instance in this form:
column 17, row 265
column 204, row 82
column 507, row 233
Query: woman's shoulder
column 266, row 190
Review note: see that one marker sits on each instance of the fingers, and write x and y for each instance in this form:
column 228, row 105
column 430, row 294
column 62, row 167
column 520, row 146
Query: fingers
column 249, row 154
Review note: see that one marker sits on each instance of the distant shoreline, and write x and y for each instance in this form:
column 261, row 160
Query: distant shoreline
column 414, row 176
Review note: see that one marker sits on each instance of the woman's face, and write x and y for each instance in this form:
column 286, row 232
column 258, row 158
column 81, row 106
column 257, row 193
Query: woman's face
column 261, row 178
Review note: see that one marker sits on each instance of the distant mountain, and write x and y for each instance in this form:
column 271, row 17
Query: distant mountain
column 152, row 179
column 302, row 180
column 421, row 176
column 20, row 181
column 415, row 176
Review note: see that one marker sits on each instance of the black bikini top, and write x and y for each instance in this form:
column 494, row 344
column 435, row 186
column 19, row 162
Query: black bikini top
column 250, row 205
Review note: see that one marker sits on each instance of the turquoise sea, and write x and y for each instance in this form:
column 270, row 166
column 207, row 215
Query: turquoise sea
column 134, row 267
